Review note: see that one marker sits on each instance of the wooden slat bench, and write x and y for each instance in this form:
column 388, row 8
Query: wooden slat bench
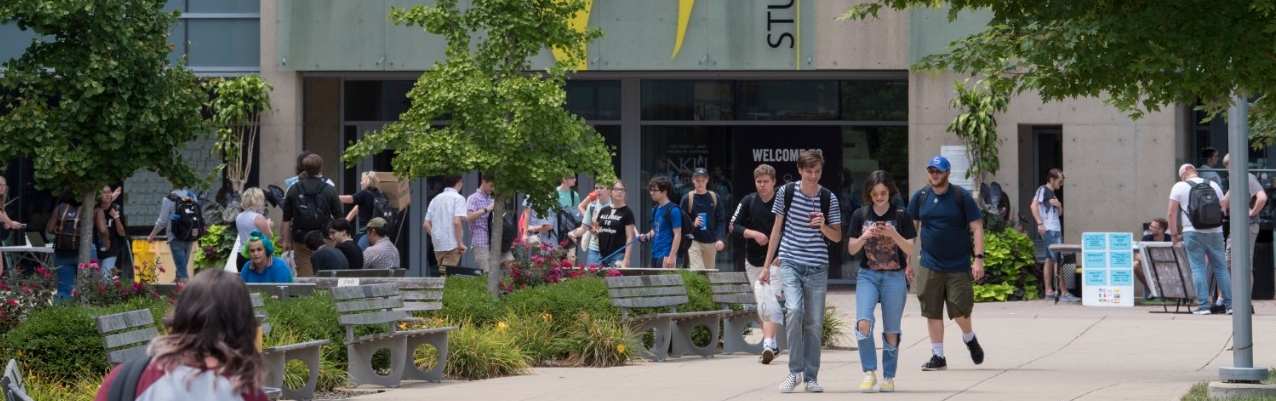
column 381, row 305
column 11, row 383
column 277, row 290
column 734, row 288
column 663, row 291
column 276, row 357
column 362, row 273
column 126, row 335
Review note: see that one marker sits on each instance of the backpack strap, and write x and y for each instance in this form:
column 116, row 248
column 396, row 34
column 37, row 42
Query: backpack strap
column 124, row 388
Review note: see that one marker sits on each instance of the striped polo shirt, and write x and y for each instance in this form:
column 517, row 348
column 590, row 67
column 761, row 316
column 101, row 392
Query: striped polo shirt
column 800, row 244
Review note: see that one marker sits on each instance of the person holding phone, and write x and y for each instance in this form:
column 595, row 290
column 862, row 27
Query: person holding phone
column 885, row 233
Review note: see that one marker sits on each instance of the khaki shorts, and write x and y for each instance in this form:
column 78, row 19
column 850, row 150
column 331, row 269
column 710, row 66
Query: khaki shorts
column 937, row 289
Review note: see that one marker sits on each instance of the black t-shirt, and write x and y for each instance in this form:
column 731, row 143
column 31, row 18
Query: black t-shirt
column 878, row 251
column 364, row 199
column 611, row 229
column 328, row 258
column 754, row 214
column 354, row 255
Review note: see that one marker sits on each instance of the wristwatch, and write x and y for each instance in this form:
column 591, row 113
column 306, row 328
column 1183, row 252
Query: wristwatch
column 979, row 256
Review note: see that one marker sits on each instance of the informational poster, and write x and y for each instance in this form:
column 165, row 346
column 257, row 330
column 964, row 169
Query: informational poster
column 956, row 155
column 1107, row 269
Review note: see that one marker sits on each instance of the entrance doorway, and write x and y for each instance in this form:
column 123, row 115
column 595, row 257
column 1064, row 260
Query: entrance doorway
column 1040, row 149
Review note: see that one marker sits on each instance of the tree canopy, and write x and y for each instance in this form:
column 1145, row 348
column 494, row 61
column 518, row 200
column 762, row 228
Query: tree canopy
column 497, row 115
column 1139, row 55
column 94, row 98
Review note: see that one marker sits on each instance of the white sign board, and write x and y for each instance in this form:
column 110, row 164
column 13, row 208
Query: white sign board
column 1107, row 269
column 347, row 282
column 956, row 155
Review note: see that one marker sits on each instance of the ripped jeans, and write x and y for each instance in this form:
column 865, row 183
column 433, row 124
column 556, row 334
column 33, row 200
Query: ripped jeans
column 889, row 288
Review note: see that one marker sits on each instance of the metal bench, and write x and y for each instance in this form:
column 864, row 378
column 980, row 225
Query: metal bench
column 663, row 291
column 381, row 305
column 126, row 335
column 734, row 288
column 11, row 383
column 276, row 357
column 362, row 273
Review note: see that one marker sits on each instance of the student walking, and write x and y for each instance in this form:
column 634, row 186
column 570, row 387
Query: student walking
column 666, row 225
column 802, row 228
column 753, row 221
column 951, row 229
column 885, row 232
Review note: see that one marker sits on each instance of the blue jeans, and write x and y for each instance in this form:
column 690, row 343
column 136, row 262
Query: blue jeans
column 181, row 256
column 67, row 266
column 1199, row 246
column 804, row 290
column 891, row 290
column 592, row 257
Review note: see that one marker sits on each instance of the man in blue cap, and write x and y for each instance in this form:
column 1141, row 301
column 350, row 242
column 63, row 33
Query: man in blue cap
column 952, row 231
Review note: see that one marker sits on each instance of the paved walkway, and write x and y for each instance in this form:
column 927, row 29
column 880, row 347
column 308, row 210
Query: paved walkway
column 1035, row 351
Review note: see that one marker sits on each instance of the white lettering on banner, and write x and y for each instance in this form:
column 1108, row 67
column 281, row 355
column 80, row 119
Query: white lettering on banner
column 780, row 155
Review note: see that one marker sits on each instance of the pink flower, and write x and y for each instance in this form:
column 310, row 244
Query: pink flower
column 13, row 302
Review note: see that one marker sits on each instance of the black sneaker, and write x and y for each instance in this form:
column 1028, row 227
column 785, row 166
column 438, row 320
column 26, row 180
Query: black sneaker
column 976, row 352
column 936, row 363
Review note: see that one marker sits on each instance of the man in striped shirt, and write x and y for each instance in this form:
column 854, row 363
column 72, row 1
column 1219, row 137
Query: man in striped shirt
column 802, row 229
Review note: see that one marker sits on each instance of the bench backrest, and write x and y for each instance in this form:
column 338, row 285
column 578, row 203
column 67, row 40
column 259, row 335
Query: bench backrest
column 259, row 310
column 11, row 383
column 665, row 290
column 126, row 335
column 283, row 290
column 425, row 294
column 372, row 304
column 362, row 273
column 731, row 288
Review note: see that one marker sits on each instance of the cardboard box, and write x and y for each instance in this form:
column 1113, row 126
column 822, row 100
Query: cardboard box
column 398, row 190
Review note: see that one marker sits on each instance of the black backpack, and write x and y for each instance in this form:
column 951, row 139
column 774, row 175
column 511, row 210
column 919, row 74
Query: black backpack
column 687, row 227
column 1203, row 207
column 835, row 248
column 188, row 219
column 66, row 232
column 124, row 388
column 311, row 212
column 381, row 208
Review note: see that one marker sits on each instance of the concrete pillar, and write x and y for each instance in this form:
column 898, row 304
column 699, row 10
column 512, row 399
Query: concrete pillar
column 281, row 129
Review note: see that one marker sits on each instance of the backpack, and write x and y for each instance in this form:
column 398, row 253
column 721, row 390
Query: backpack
column 66, row 233
column 188, row 219
column 826, row 200
column 1203, row 207
column 508, row 233
column 312, row 212
column 687, row 227
column 381, row 208
column 961, row 201
column 566, row 220
column 124, row 387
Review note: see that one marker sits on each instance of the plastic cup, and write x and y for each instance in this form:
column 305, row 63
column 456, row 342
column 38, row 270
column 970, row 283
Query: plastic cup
column 704, row 221
column 813, row 215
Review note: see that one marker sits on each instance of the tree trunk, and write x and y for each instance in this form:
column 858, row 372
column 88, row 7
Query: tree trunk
column 88, row 197
column 497, row 230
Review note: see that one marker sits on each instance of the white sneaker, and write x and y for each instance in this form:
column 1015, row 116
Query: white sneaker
column 768, row 354
column 789, row 383
column 1201, row 312
column 870, row 381
column 813, row 387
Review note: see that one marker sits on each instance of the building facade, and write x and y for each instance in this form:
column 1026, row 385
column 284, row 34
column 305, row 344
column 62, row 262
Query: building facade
column 679, row 84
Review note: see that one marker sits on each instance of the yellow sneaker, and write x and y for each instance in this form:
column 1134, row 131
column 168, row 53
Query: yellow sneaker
column 888, row 386
column 870, row 380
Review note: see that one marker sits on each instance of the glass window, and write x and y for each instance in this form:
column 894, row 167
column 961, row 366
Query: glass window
column 224, row 6
column 594, row 100
column 611, row 137
column 687, row 100
column 878, row 100
column 224, row 43
column 674, row 152
column 787, row 100
column 175, row 5
column 376, row 100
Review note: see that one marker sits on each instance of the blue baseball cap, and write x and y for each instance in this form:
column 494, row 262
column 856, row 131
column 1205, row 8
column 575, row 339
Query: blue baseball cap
column 940, row 163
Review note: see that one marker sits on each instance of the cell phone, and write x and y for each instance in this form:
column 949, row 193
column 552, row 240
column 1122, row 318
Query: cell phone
column 881, row 224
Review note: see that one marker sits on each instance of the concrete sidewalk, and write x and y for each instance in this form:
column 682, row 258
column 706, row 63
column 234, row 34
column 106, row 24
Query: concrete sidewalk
column 1035, row 351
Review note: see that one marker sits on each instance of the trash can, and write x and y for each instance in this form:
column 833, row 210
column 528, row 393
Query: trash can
column 1264, row 264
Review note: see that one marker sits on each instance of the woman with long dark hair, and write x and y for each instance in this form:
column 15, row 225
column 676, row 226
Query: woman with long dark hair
column 210, row 352
column 885, row 232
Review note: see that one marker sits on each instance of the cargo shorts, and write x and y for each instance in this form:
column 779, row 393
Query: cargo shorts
column 935, row 290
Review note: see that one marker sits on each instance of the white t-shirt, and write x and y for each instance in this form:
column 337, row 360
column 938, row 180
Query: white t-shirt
column 1182, row 192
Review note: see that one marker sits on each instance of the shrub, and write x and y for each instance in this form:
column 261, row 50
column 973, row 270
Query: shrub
column 93, row 288
column 834, row 329
column 562, row 301
column 599, row 341
column 82, row 388
column 536, row 336
column 312, row 317
column 465, row 299
column 59, row 342
column 23, row 294
column 1008, row 261
column 479, row 352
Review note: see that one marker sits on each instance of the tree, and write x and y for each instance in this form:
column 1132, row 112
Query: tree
column 237, row 107
column 95, row 98
column 507, row 122
column 977, row 126
column 1140, row 55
